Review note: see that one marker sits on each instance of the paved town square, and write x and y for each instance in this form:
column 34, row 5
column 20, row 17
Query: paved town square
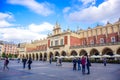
column 45, row 71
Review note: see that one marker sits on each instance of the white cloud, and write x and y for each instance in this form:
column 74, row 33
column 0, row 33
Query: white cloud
column 40, row 8
column 45, row 26
column 4, row 23
column 108, row 10
column 66, row 9
column 85, row 2
column 4, row 19
column 19, row 34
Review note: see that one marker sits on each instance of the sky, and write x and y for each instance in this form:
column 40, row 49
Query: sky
column 26, row 20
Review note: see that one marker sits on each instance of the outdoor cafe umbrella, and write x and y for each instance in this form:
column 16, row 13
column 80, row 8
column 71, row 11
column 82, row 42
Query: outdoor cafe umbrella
column 116, row 55
column 95, row 56
column 106, row 56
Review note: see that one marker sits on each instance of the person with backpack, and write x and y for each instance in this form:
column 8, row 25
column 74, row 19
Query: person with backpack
column 29, row 63
column 6, row 62
column 24, row 60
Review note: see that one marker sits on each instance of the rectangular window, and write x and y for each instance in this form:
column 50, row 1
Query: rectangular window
column 112, row 39
column 101, row 40
column 56, row 42
column 51, row 43
column 61, row 41
column 91, row 42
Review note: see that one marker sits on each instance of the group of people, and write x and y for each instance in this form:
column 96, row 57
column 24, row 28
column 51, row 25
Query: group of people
column 24, row 61
column 83, row 64
column 29, row 62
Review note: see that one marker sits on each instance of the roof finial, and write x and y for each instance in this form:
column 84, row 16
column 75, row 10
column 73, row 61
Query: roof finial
column 118, row 19
column 98, row 24
column 108, row 22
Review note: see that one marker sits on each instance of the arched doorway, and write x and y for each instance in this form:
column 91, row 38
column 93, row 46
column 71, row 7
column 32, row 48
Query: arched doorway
column 33, row 56
column 50, row 55
column 45, row 56
column 57, row 53
column 36, row 56
column 118, row 51
column 40, row 56
column 27, row 56
column 73, row 53
column 107, row 51
column 82, row 52
column 63, row 53
column 30, row 56
column 94, row 52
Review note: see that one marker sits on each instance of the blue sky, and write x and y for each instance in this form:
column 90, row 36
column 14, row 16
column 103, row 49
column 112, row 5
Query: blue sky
column 25, row 20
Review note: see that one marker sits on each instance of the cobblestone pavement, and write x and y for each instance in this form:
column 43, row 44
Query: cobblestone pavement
column 46, row 71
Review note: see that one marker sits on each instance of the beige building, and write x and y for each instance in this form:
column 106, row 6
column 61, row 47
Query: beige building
column 100, row 40
column 1, row 49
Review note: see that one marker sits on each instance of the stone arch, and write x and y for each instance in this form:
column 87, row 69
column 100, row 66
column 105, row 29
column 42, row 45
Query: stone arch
column 50, row 55
column 33, row 56
column 63, row 53
column 36, row 56
column 73, row 53
column 57, row 53
column 30, row 56
column 94, row 52
column 45, row 56
column 118, row 51
column 40, row 56
column 107, row 51
column 27, row 56
column 83, row 52
column 20, row 55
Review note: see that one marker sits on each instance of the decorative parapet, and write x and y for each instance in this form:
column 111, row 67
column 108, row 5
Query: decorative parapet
column 94, row 45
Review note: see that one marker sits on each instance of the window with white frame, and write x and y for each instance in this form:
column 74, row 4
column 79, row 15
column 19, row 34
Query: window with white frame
column 101, row 40
column 112, row 39
column 56, row 42
column 51, row 43
column 91, row 42
column 61, row 41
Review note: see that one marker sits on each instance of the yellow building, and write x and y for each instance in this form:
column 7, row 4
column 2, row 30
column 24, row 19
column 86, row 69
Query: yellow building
column 101, row 40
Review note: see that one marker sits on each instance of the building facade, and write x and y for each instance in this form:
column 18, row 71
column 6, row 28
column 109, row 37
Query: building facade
column 9, row 48
column 1, row 49
column 101, row 40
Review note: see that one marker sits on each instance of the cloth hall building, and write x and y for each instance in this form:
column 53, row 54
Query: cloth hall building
column 100, row 40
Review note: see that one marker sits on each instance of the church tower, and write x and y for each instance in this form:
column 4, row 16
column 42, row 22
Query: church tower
column 57, row 29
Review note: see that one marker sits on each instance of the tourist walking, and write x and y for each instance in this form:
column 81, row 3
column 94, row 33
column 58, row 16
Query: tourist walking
column 88, row 64
column 29, row 63
column 79, row 62
column 83, row 62
column 24, row 60
column 60, row 61
column 50, row 60
column 74, row 63
column 104, row 61
column 6, row 62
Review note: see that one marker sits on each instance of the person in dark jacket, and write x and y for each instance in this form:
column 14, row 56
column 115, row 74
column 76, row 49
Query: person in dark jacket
column 88, row 64
column 24, row 60
column 6, row 62
column 29, row 63
column 79, row 62
column 74, row 64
